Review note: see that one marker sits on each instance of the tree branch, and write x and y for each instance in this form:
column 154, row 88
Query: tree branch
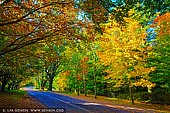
column 30, row 12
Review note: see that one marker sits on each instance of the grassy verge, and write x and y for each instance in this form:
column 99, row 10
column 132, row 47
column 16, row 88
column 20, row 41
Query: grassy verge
column 120, row 102
column 18, row 99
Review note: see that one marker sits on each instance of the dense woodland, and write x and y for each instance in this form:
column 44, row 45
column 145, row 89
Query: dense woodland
column 114, row 48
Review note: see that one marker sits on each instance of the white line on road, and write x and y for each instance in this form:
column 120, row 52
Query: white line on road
column 88, row 111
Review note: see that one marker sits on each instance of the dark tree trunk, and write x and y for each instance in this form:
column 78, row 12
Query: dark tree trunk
column 85, row 89
column 95, row 87
column 4, row 82
column 9, row 86
column 78, row 88
column 51, row 84
column 95, row 84
column 13, row 87
column 78, row 91
column 43, row 84
column 130, row 91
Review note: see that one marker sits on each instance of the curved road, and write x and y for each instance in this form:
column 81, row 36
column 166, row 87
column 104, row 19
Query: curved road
column 72, row 105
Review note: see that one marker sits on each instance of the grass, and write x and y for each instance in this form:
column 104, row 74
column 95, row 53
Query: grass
column 20, row 92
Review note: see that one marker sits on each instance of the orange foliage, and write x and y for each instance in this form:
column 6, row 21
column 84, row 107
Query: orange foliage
column 66, row 73
column 163, row 23
column 84, row 66
column 96, row 10
column 79, row 77
column 45, row 21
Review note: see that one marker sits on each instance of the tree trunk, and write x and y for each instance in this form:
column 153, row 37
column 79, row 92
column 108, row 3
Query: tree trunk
column 4, row 82
column 9, row 86
column 85, row 90
column 95, row 87
column 78, row 88
column 51, row 84
column 43, row 84
column 95, row 84
column 130, row 91
column 78, row 91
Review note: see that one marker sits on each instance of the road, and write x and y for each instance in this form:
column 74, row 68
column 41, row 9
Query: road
column 72, row 105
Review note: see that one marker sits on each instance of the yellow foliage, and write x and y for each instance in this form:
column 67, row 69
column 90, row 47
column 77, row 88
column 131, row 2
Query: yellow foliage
column 124, row 50
column 62, row 81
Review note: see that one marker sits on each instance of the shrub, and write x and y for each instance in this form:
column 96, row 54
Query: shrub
column 142, row 96
column 160, row 98
column 123, row 96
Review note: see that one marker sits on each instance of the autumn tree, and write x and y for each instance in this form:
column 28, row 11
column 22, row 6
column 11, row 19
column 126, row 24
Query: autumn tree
column 160, row 52
column 84, row 72
column 124, row 50
column 76, row 64
column 61, row 81
column 75, row 69
column 54, row 59
column 99, row 10
column 92, row 10
column 31, row 22
column 13, row 71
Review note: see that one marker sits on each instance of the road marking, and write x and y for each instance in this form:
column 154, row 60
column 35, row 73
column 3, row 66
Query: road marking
column 86, row 103
column 88, row 111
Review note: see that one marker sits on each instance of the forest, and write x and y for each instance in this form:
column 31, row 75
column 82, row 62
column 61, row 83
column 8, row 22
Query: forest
column 113, row 48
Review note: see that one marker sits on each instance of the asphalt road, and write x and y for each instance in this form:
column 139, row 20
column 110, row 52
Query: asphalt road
column 71, row 105
column 58, row 102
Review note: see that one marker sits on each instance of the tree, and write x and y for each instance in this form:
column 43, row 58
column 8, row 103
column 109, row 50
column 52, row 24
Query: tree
column 30, row 22
column 84, row 72
column 93, row 66
column 62, row 81
column 39, row 22
column 160, row 53
column 74, row 66
column 13, row 71
column 124, row 50
column 99, row 10
column 53, row 60
column 51, row 72
column 92, row 10
column 4, row 75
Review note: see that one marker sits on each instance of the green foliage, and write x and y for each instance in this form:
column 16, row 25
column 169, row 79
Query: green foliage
column 29, row 84
column 18, row 92
column 160, row 55
column 145, row 10
column 142, row 96
column 123, row 96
